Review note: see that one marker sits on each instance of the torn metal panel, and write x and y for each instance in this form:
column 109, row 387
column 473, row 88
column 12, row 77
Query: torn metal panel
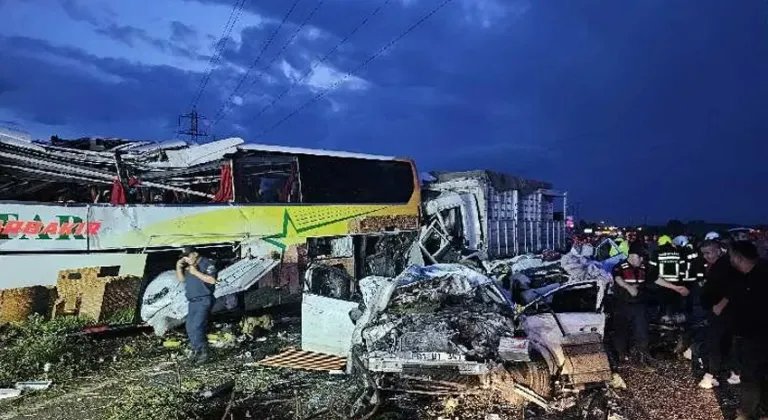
column 499, row 181
column 390, row 254
column 326, row 326
column 370, row 287
column 89, row 164
column 243, row 274
column 514, row 349
column 456, row 216
column 142, row 147
column 313, row 152
column 201, row 154
column 6, row 134
column 331, row 247
column 164, row 304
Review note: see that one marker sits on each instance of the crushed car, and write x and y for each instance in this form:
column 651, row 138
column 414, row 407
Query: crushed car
column 447, row 329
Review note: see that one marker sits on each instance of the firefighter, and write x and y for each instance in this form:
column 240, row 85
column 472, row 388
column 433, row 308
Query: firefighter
column 629, row 307
column 692, row 268
column 691, row 272
column 666, row 268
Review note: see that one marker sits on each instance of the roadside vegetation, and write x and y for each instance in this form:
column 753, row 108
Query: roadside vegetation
column 38, row 349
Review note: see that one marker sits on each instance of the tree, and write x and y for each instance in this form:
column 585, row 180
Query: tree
column 675, row 228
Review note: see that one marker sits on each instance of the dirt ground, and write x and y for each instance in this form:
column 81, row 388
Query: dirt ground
column 163, row 386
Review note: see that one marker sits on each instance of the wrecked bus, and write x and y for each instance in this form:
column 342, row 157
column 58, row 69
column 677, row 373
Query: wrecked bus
column 72, row 211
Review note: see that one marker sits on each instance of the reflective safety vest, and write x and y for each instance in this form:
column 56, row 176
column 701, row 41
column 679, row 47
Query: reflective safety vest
column 694, row 267
column 671, row 266
column 622, row 247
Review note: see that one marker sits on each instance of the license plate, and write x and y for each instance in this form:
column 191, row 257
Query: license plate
column 433, row 356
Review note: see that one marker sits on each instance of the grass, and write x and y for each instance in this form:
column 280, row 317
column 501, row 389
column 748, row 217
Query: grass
column 40, row 349
column 147, row 403
column 147, row 383
column 27, row 348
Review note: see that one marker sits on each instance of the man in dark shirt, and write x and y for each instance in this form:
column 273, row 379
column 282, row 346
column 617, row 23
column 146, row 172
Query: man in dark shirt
column 746, row 302
column 720, row 277
column 629, row 312
column 199, row 277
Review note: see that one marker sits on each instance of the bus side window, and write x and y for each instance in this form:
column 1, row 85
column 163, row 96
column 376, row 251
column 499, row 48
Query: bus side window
column 329, row 179
column 261, row 178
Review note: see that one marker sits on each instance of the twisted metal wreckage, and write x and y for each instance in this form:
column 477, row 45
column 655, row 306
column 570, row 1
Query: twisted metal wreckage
column 447, row 329
column 526, row 327
column 104, row 170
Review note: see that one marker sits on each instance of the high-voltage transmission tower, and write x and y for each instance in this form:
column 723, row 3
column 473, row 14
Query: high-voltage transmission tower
column 193, row 131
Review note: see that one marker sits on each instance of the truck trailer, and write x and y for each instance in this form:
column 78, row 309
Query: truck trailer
column 493, row 214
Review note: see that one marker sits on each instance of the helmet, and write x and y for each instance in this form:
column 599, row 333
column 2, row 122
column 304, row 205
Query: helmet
column 663, row 240
column 712, row 236
column 681, row 240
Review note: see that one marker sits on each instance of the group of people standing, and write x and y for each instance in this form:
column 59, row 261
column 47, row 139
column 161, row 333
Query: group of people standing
column 727, row 280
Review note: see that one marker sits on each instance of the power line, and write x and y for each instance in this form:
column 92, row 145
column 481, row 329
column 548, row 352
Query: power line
column 381, row 51
column 234, row 15
column 325, row 57
column 227, row 107
column 258, row 57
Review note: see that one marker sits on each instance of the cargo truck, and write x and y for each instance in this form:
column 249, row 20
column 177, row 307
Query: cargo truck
column 493, row 214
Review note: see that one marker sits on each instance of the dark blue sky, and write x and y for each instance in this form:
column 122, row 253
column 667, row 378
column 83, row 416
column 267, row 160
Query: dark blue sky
column 654, row 108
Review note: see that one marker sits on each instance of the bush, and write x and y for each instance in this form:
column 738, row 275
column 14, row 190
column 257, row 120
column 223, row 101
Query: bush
column 26, row 348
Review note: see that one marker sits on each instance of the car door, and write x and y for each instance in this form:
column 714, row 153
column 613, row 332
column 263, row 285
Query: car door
column 577, row 308
column 571, row 309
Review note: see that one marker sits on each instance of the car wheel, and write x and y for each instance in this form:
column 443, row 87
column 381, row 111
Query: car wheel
column 534, row 374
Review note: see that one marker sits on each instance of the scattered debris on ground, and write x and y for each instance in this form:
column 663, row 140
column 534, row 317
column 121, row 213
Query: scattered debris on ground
column 55, row 370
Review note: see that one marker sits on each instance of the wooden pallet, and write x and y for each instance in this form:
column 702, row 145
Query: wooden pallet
column 307, row 360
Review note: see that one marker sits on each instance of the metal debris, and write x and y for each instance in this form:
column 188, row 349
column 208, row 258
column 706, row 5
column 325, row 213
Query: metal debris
column 6, row 393
column 33, row 385
column 44, row 170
